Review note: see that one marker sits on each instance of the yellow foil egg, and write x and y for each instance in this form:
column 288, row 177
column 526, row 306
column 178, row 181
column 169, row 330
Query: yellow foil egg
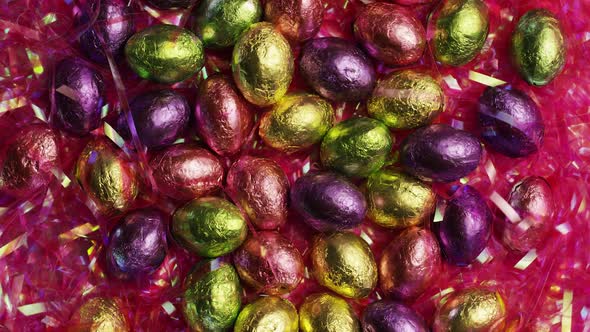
column 99, row 314
column 262, row 64
column 344, row 263
column 327, row 313
column 268, row 314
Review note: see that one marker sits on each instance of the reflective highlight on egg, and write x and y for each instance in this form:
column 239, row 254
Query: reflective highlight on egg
column 262, row 64
column 165, row 53
column 268, row 313
column 297, row 20
column 324, row 312
column 460, row 31
column 99, row 314
column 296, row 122
column 344, row 263
column 390, row 316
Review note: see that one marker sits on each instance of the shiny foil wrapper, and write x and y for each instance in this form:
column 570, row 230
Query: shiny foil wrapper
column 107, row 176
column 297, row 20
column 410, row 264
column 398, row 200
column 212, row 296
column 223, row 117
column 471, row 310
column 171, row 4
column 209, row 227
column 220, row 23
column 269, row 263
column 538, row 47
column 268, row 313
column 296, row 122
column 390, row 33
column 165, row 53
column 406, row 99
column 391, row 316
column 344, row 263
column 262, row 190
column 325, row 312
column 99, row 314
column 460, row 31
column 412, row 2
column 262, row 64
column 356, row 147
column 186, row 171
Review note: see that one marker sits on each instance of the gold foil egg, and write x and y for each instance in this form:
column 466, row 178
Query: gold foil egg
column 344, row 263
column 296, row 122
column 262, row 64
column 268, row 314
column 406, row 99
column 327, row 313
column 538, row 47
column 471, row 310
column 398, row 200
column 99, row 314
column 461, row 29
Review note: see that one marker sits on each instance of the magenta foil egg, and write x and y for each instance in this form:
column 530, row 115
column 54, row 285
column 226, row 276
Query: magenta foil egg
column 391, row 316
column 297, row 20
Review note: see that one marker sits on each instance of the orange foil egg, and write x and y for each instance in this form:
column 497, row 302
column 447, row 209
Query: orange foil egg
column 297, row 20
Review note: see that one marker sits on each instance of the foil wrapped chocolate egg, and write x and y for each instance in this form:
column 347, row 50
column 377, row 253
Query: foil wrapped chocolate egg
column 172, row 4
column 538, row 47
column 440, row 153
column 79, row 96
column 137, row 246
column 209, row 226
column 460, row 31
column 412, row 2
column 30, row 156
column 511, row 123
column 107, row 176
column 466, row 226
column 220, row 23
column 262, row 64
column 165, row 53
column 390, row 33
column 391, row 316
column 410, row 263
column 397, row 200
column 356, row 147
column 328, row 201
column 262, row 190
column 223, row 117
column 337, row 69
column 532, row 199
column 268, row 313
column 297, row 20
column 406, row 99
column 474, row 310
column 186, row 171
column 212, row 297
column 109, row 32
column 325, row 312
column 296, row 122
column 269, row 263
column 344, row 263
column 99, row 314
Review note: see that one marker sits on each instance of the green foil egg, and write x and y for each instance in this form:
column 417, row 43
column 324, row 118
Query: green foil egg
column 538, row 47
column 165, row 53
column 296, row 122
column 406, row 99
column 219, row 23
column 268, row 314
column 212, row 297
column 461, row 29
column 209, row 226
column 325, row 312
column 356, row 147
column 262, row 64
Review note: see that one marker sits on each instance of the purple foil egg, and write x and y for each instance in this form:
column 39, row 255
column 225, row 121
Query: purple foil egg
column 160, row 117
column 328, row 202
column 337, row 69
column 79, row 97
column 391, row 316
column 138, row 245
column 511, row 122
column 466, row 226
column 113, row 26
column 440, row 153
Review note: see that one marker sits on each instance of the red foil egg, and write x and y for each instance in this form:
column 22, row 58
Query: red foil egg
column 186, row 171
column 297, row 20
column 269, row 263
column 261, row 187
column 412, row 2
